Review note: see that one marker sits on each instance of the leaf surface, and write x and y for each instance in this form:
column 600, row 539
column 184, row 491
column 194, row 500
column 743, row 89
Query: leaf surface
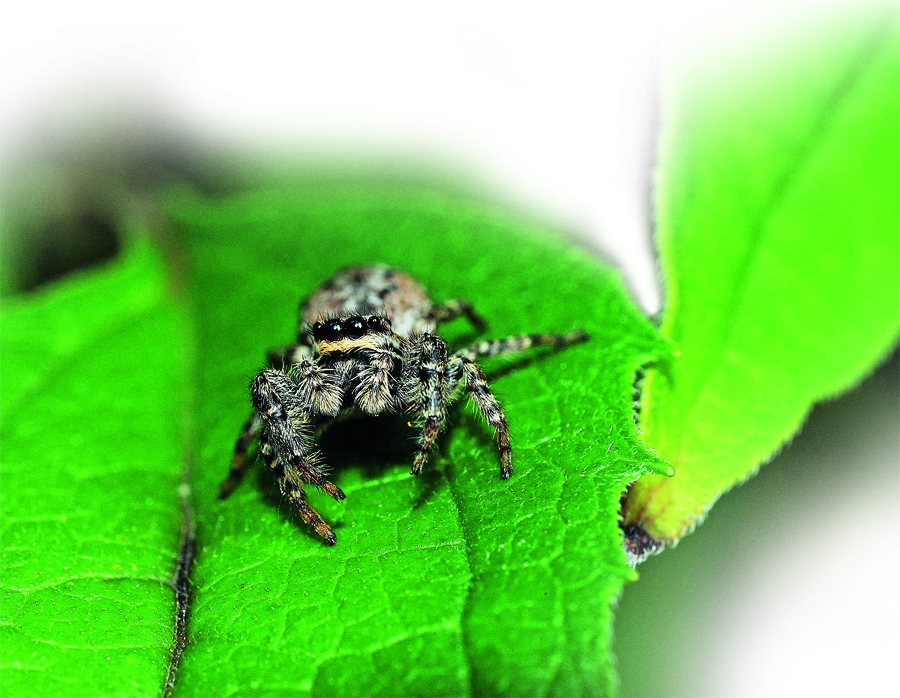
column 454, row 582
column 778, row 233
column 92, row 377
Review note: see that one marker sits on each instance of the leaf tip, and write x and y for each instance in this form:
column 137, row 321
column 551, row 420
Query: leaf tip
column 661, row 467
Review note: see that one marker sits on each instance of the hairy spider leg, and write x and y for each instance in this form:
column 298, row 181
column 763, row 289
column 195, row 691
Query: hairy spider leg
column 436, row 387
column 477, row 386
column 511, row 345
column 452, row 309
column 289, row 426
column 433, row 395
column 252, row 427
column 239, row 462
column 292, row 487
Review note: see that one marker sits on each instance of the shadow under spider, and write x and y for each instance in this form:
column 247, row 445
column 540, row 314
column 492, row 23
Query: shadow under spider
column 374, row 445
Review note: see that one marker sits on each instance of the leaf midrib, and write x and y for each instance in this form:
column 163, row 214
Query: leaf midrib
column 816, row 136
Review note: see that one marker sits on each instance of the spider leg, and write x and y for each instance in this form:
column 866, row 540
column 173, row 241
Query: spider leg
column 314, row 389
column 476, row 385
column 433, row 392
column 286, row 444
column 292, row 487
column 276, row 358
column 511, row 345
column 453, row 309
column 249, row 434
column 289, row 426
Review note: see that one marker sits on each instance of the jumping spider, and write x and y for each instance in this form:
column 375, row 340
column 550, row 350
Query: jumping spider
column 366, row 343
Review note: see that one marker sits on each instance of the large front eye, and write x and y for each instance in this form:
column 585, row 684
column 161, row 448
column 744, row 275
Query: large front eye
column 354, row 327
column 332, row 330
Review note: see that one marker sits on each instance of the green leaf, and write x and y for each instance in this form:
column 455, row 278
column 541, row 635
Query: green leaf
column 454, row 582
column 91, row 425
column 778, row 233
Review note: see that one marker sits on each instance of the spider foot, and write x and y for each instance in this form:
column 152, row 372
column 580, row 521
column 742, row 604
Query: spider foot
column 312, row 517
column 333, row 490
column 226, row 487
column 419, row 462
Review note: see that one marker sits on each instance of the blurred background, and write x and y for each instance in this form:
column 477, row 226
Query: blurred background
column 790, row 584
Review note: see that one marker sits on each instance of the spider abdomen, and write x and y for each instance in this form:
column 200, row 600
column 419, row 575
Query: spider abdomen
column 358, row 290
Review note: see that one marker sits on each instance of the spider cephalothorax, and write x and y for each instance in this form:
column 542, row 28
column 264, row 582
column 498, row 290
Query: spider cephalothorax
column 367, row 342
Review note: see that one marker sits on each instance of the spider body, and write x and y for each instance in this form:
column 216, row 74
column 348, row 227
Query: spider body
column 367, row 342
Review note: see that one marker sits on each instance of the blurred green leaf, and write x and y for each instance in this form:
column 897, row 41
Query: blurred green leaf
column 455, row 582
column 92, row 416
column 778, row 232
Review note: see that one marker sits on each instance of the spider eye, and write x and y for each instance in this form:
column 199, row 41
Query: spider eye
column 354, row 327
column 375, row 324
column 332, row 330
column 317, row 331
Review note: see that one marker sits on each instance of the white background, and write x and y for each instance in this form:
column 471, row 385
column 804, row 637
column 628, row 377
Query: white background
column 555, row 108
